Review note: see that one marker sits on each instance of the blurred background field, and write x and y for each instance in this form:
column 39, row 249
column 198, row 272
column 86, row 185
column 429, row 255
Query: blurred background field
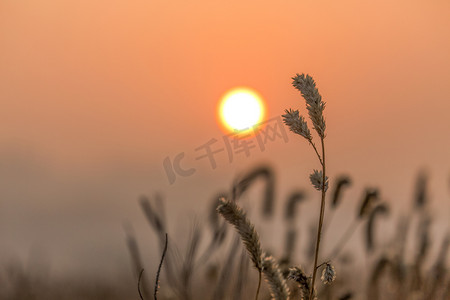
column 389, row 254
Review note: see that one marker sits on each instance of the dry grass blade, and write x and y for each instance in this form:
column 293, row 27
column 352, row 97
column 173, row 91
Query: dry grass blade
column 272, row 273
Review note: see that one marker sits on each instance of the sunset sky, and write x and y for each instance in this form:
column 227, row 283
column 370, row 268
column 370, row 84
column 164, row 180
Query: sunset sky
column 95, row 95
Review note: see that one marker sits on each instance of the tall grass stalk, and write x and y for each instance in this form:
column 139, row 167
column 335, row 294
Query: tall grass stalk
column 321, row 216
column 297, row 124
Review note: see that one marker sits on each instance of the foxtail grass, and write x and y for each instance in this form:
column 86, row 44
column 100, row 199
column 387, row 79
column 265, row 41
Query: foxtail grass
column 277, row 284
column 236, row 217
column 297, row 124
column 242, row 276
column 304, row 282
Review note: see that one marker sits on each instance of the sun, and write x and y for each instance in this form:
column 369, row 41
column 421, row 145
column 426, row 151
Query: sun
column 240, row 109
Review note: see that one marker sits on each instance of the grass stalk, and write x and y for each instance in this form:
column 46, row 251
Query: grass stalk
column 259, row 285
column 321, row 216
column 159, row 269
column 139, row 284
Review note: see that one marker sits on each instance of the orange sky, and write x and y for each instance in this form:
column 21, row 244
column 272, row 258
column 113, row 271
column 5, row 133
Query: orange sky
column 95, row 94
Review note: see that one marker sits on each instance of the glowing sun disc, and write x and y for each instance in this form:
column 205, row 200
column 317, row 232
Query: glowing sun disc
column 240, row 109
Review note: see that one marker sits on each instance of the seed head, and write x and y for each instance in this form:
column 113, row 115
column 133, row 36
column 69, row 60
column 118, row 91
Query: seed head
column 234, row 215
column 277, row 284
column 297, row 123
column 328, row 274
column 298, row 275
column 314, row 103
column 317, row 180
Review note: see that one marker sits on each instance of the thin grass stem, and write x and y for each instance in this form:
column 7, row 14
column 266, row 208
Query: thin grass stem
column 259, row 285
column 139, row 284
column 159, row 269
column 315, row 149
column 321, row 216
